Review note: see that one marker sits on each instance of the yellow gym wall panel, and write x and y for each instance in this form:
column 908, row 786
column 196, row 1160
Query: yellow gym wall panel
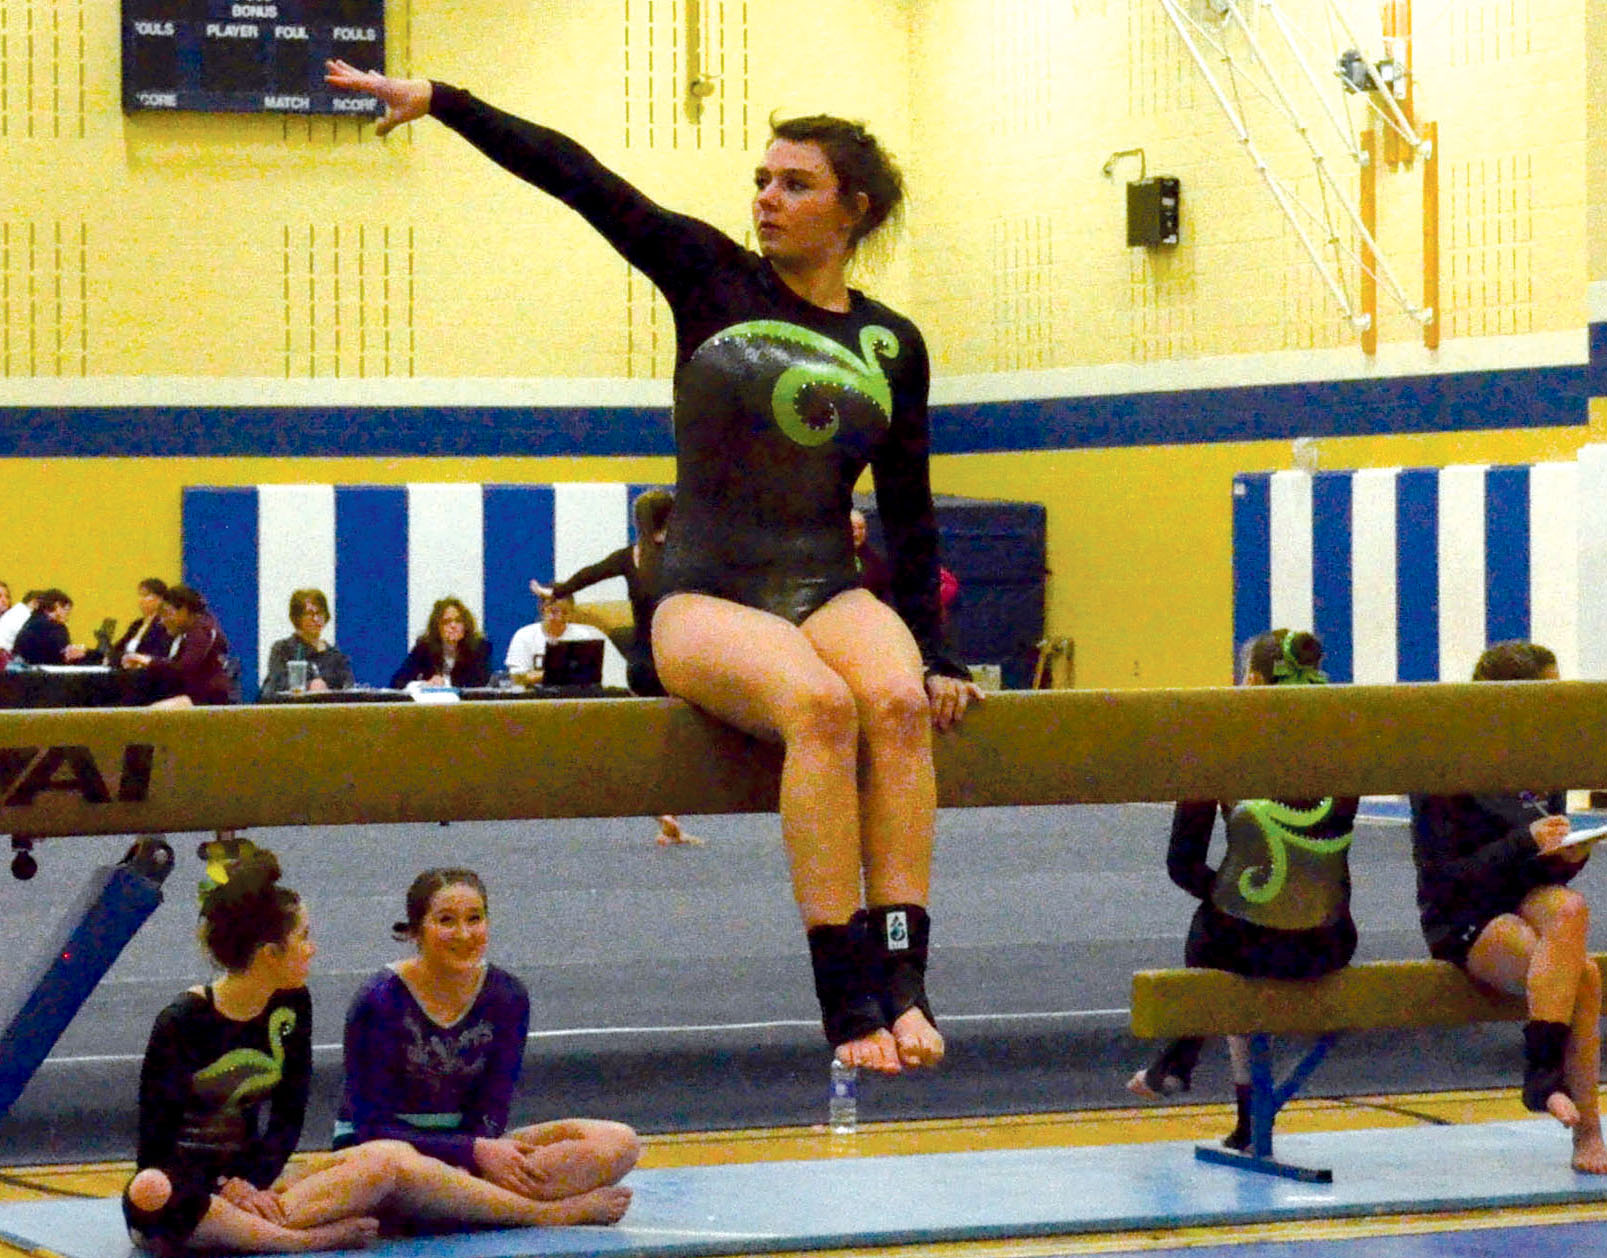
column 1139, row 544
column 1596, row 131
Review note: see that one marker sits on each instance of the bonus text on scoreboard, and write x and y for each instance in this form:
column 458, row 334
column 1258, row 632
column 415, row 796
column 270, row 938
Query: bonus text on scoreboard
column 233, row 56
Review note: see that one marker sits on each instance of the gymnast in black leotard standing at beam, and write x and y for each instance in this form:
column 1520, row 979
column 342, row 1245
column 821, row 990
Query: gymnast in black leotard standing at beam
column 787, row 384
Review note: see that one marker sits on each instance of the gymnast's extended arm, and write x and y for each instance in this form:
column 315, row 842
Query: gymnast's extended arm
column 671, row 249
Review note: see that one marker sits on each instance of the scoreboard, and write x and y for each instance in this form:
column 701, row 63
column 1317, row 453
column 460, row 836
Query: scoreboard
column 248, row 56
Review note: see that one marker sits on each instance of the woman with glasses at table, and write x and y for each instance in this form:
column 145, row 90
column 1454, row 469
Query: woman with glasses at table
column 327, row 665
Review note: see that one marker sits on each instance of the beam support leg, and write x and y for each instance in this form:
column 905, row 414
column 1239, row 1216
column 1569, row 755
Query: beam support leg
column 73, row 959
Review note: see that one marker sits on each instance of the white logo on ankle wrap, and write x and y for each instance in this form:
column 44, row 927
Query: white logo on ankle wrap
column 898, row 931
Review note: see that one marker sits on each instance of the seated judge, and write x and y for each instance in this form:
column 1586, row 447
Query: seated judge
column 327, row 665
column 527, row 651
column 195, row 669
column 450, row 652
column 44, row 638
column 146, row 634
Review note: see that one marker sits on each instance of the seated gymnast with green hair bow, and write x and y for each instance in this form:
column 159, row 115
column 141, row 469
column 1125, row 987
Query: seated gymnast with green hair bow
column 1279, row 904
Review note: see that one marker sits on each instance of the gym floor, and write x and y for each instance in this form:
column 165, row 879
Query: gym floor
column 670, row 990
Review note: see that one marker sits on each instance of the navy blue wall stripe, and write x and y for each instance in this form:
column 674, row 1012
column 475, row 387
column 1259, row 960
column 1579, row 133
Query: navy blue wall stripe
column 219, row 545
column 1506, row 554
column 1524, row 398
column 1534, row 397
column 1330, row 573
column 1417, row 575
column 1597, row 382
column 1252, row 558
column 524, row 512
column 371, row 579
column 317, row 432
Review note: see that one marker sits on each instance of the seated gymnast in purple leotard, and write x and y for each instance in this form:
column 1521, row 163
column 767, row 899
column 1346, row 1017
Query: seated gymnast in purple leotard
column 434, row 1046
column 223, row 1092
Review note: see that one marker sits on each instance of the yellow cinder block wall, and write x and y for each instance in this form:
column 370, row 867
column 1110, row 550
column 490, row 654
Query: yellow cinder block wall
column 295, row 249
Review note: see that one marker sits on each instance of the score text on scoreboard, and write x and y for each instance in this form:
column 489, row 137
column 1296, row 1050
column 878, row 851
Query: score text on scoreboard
column 230, row 56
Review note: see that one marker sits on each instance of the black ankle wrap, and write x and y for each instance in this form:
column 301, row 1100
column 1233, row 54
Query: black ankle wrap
column 1173, row 1070
column 1544, row 1044
column 1241, row 1137
column 899, row 935
column 845, row 980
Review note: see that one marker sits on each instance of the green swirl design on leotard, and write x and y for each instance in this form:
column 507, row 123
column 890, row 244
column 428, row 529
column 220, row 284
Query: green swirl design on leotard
column 1274, row 819
column 844, row 370
column 267, row 1070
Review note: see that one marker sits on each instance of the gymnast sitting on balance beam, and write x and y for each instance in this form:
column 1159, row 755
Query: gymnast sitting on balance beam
column 1493, row 899
column 223, row 1093
column 787, row 385
column 1279, row 904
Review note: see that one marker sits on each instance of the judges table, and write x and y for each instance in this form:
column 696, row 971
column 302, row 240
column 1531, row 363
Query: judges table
column 72, row 686
column 473, row 694
column 90, row 686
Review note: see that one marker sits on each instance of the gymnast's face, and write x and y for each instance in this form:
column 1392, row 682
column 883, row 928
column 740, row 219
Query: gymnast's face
column 798, row 212
column 293, row 958
column 455, row 929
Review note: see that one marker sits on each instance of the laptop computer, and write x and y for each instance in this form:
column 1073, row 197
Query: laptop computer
column 578, row 662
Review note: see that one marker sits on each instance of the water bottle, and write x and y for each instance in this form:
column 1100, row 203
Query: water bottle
column 842, row 1111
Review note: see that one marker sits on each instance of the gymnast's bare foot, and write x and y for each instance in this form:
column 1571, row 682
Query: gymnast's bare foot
column 877, row 1051
column 670, row 834
column 342, row 1234
column 601, row 1205
column 919, row 1043
column 1561, row 1107
column 1590, row 1154
column 1139, row 1085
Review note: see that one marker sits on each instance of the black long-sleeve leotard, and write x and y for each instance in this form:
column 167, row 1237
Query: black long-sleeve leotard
column 621, row 563
column 204, row 1084
column 779, row 404
column 1477, row 859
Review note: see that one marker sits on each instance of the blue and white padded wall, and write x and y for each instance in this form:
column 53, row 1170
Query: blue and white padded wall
column 1408, row 573
column 385, row 553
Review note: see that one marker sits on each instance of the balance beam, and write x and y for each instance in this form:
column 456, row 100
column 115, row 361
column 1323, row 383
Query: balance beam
column 1373, row 995
column 1370, row 996
column 119, row 771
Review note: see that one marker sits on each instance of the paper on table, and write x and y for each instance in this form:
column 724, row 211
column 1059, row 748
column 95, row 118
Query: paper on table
column 423, row 692
column 1583, row 838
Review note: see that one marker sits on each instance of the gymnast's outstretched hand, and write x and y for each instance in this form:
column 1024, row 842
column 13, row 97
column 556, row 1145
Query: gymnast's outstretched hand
column 950, row 698
column 404, row 99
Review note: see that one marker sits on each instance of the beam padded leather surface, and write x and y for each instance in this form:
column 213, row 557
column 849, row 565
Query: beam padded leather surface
column 1369, row 996
column 110, row 771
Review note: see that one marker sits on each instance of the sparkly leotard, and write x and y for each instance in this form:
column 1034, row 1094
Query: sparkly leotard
column 779, row 404
column 219, row 1099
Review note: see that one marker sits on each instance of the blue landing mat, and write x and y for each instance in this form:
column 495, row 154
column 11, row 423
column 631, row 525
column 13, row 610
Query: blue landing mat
column 1554, row 1240
column 930, row 1198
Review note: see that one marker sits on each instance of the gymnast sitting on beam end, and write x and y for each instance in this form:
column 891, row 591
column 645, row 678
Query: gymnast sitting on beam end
column 1279, row 904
